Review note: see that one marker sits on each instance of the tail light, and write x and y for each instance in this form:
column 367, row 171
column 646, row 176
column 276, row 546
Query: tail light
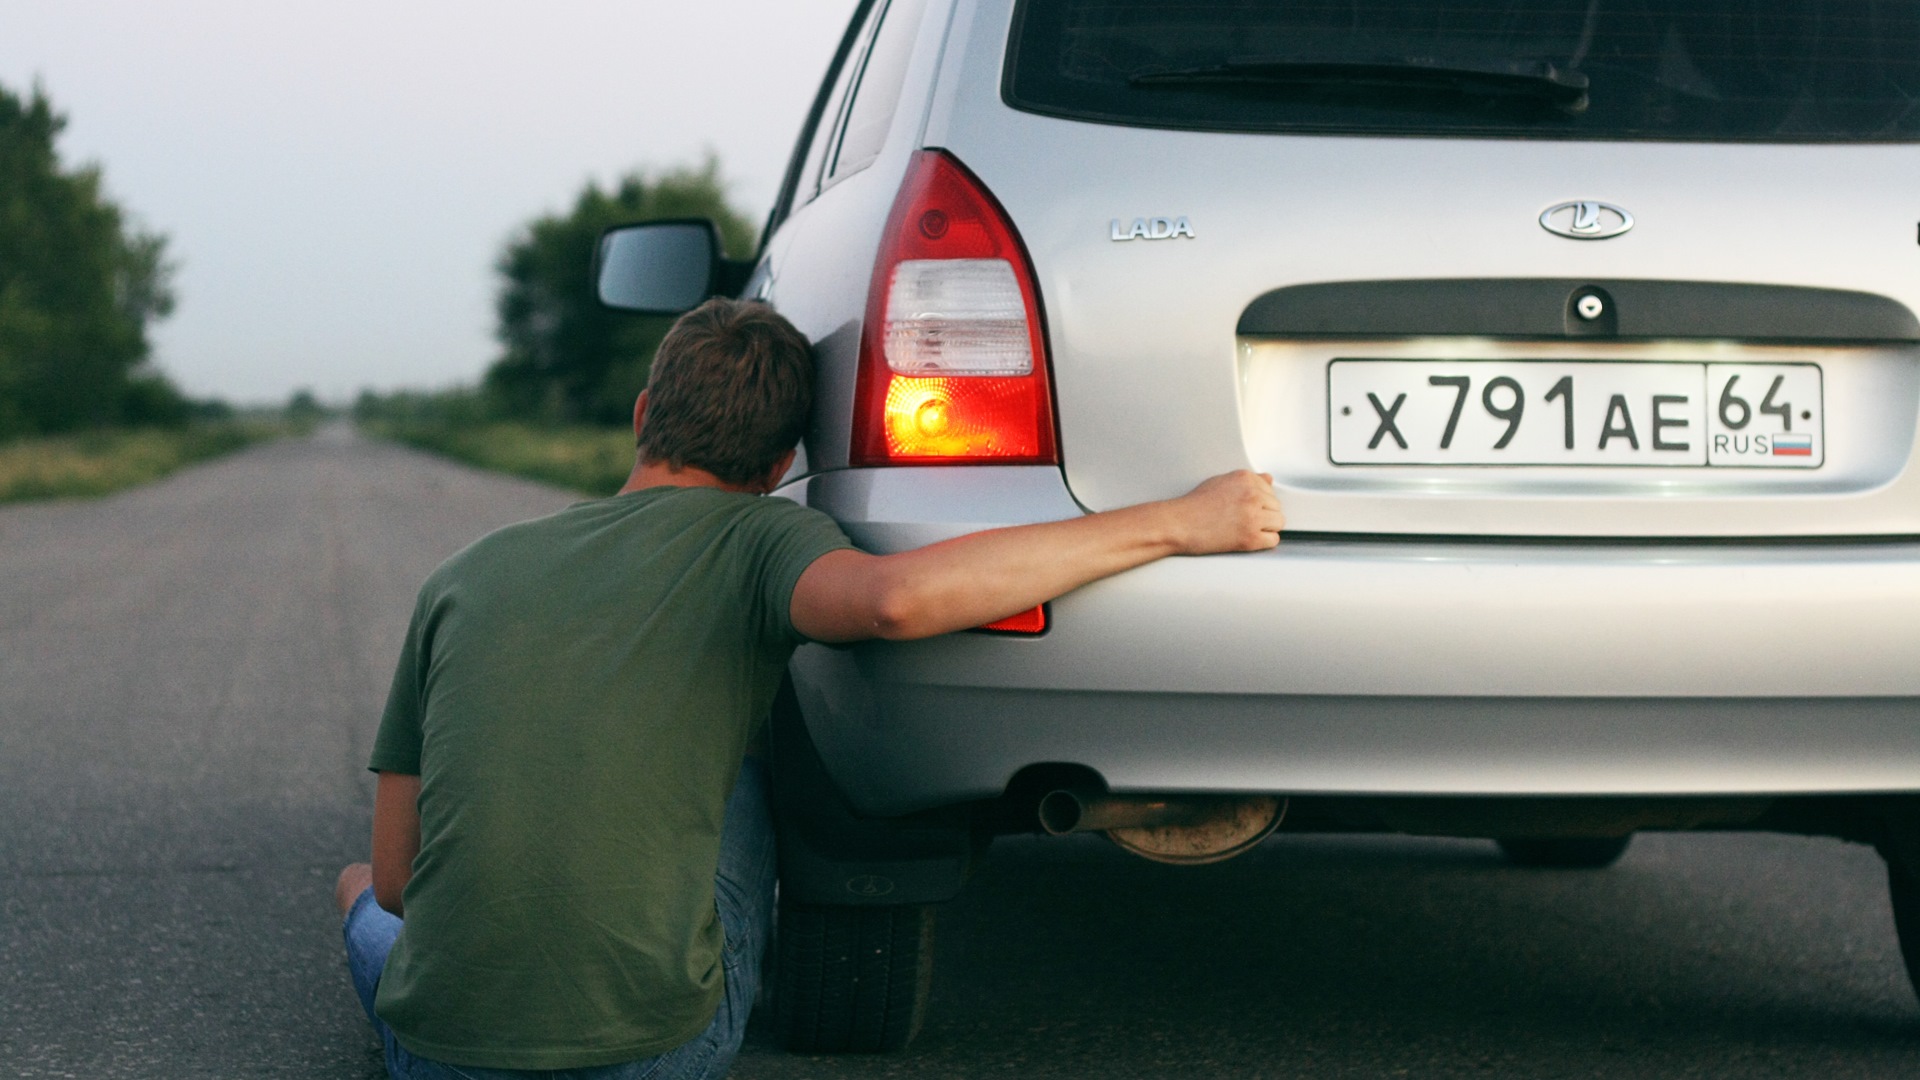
column 953, row 360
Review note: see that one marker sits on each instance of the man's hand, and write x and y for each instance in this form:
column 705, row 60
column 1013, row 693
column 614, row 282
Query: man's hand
column 1235, row 511
column 973, row 580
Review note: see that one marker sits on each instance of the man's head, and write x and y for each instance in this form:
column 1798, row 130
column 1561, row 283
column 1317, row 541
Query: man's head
column 729, row 392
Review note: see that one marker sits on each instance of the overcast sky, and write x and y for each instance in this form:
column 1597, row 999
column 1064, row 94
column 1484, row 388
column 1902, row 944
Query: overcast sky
column 336, row 177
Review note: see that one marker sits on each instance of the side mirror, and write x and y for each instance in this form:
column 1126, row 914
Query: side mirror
column 659, row 268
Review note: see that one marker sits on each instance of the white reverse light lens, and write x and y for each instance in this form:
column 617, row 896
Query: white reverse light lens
column 957, row 317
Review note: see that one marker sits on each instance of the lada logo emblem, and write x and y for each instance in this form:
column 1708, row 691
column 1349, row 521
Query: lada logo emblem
column 1151, row 228
column 1584, row 219
column 869, row 885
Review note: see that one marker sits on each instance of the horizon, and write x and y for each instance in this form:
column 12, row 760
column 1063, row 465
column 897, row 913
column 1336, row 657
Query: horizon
column 335, row 182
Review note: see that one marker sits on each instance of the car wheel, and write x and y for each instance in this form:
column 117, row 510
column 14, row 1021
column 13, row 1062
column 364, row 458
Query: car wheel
column 1905, row 889
column 1566, row 852
column 851, row 979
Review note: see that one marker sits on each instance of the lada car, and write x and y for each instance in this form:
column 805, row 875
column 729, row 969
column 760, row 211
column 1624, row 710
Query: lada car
column 1577, row 335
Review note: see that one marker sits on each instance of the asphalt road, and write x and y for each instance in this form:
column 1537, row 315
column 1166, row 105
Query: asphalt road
column 189, row 679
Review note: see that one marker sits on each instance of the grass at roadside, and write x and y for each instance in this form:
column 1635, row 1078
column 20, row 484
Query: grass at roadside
column 99, row 462
column 591, row 460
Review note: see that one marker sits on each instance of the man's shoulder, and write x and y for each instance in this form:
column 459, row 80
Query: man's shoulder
column 763, row 523
column 779, row 508
column 779, row 518
column 508, row 543
column 727, row 510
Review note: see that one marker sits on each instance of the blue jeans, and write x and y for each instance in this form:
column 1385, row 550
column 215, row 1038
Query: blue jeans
column 743, row 892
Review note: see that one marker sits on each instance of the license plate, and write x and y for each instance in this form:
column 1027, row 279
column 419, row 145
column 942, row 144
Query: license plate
column 1484, row 412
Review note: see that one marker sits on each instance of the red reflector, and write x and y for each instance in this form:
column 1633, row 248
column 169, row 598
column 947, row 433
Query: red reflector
column 1027, row 622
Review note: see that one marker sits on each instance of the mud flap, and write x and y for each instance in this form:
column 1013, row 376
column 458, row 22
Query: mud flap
column 831, row 855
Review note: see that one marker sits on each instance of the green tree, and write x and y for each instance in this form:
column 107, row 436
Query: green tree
column 304, row 408
column 566, row 358
column 78, row 286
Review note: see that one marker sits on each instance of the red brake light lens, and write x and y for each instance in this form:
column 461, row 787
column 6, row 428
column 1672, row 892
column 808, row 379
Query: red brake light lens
column 1027, row 622
column 953, row 361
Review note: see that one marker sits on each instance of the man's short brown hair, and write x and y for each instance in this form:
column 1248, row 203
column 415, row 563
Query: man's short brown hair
column 729, row 392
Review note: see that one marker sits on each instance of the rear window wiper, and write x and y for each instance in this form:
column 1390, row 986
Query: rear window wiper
column 1538, row 80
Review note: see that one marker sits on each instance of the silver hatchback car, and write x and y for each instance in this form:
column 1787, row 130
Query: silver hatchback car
column 1578, row 336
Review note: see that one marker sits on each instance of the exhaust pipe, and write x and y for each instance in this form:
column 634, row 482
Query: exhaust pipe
column 1183, row 829
column 1066, row 811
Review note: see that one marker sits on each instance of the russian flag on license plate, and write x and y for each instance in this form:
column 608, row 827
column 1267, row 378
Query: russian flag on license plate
column 1793, row 446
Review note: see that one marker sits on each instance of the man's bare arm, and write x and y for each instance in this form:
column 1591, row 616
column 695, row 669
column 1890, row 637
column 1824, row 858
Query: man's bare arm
column 971, row 580
column 396, row 837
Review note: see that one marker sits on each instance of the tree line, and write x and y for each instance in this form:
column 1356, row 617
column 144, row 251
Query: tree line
column 79, row 285
column 564, row 359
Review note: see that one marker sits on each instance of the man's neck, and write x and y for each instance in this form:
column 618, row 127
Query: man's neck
column 649, row 474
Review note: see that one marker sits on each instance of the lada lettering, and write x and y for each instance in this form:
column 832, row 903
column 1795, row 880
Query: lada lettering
column 1156, row 228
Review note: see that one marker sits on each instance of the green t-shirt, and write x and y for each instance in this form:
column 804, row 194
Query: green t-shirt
column 576, row 694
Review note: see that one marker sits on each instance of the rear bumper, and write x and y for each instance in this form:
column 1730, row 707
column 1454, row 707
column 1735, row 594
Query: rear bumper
column 1356, row 667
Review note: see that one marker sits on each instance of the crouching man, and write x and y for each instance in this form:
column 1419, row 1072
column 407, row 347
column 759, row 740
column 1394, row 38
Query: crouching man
column 566, row 815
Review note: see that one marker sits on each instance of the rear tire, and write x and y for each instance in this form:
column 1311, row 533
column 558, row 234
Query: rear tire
column 1566, row 852
column 1904, row 888
column 851, row 979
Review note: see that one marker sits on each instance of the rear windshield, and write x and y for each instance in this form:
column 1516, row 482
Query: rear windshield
column 1757, row 71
